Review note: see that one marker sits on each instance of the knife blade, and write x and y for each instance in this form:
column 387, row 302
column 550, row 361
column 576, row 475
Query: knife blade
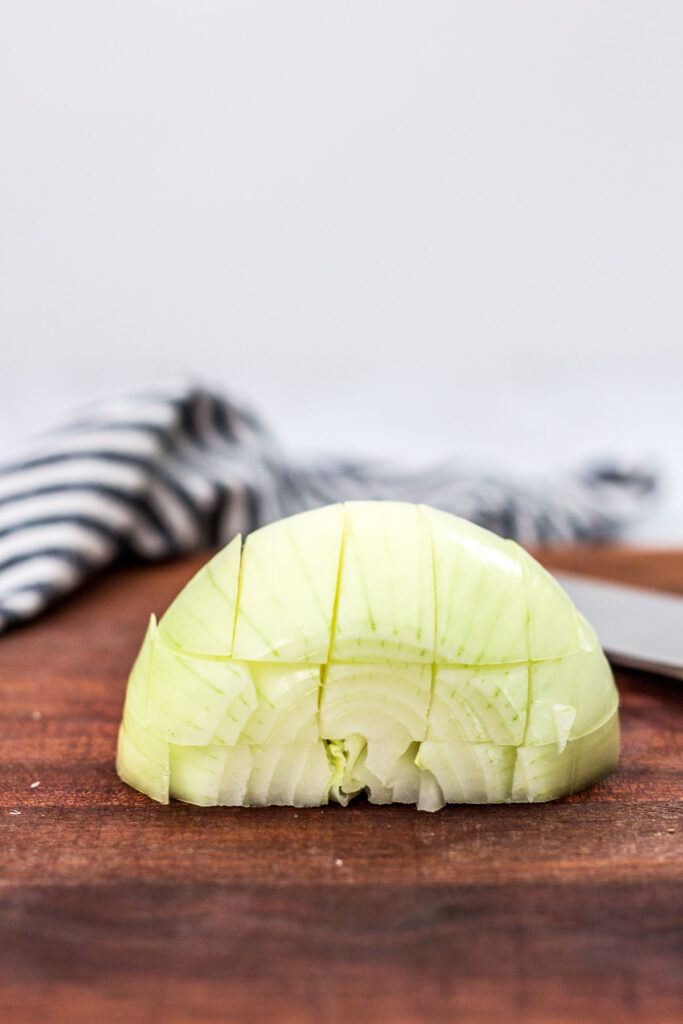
column 637, row 628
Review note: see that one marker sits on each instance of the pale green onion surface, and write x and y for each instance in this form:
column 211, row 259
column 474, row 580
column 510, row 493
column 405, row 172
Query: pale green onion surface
column 374, row 647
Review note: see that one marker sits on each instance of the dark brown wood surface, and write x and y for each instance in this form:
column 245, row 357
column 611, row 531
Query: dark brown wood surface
column 114, row 909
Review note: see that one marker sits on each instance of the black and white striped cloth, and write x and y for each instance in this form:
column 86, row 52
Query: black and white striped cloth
column 174, row 470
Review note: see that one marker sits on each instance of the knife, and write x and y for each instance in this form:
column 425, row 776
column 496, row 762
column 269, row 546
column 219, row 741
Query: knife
column 637, row 628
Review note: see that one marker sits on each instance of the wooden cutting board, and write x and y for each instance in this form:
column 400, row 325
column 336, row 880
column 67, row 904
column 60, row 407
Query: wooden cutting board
column 114, row 909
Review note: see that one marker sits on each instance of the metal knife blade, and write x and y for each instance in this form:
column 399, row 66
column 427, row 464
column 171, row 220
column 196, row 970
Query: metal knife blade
column 637, row 628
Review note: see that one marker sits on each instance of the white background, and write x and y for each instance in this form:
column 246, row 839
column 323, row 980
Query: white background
column 415, row 228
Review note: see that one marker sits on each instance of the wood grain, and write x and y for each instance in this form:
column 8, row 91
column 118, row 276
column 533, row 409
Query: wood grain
column 115, row 909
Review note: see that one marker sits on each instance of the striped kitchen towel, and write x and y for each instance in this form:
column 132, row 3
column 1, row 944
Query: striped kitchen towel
column 175, row 470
